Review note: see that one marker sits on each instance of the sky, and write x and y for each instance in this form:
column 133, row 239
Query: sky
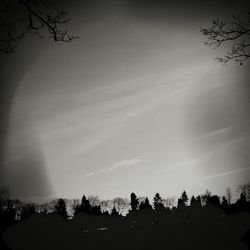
column 137, row 104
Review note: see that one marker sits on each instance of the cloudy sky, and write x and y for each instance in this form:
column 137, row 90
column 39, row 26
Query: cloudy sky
column 138, row 103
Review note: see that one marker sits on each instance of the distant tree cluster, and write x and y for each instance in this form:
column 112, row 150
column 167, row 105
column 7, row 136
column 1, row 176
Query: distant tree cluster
column 12, row 211
column 15, row 210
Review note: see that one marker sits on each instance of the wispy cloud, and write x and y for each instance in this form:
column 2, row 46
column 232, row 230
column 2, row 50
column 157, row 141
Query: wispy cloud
column 201, row 159
column 90, row 173
column 218, row 132
column 177, row 166
column 225, row 173
column 217, row 150
column 224, row 146
column 124, row 163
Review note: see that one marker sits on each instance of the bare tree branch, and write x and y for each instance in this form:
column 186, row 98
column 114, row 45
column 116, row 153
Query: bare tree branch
column 245, row 190
column 236, row 32
column 51, row 21
column 39, row 16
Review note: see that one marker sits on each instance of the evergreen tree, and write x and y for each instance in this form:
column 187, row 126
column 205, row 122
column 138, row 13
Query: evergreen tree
column 195, row 201
column 241, row 203
column 84, row 206
column 114, row 211
column 60, row 208
column 192, row 201
column 145, row 204
column 157, row 201
column 225, row 204
column 242, row 198
column 133, row 201
column 198, row 199
column 184, row 197
column 95, row 210
column 182, row 201
column 214, row 200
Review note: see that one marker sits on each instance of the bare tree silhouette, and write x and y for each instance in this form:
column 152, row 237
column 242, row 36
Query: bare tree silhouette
column 121, row 205
column 146, row 227
column 38, row 16
column 244, row 189
column 228, row 195
column 18, row 18
column 237, row 32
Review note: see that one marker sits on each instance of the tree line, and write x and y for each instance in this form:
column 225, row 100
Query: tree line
column 14, row 210
column 160, row 210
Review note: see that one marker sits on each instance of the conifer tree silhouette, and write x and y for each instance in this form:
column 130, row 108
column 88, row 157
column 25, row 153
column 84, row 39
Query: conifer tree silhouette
column 214, row 200
column 158, row 201
column 133, row 201
column 225, row 204
column 198, row 199
column 84, row 206
column 241, row 204
column 95, row 210
column 182, row 201
column 145, row 204
column 192, row 200
column 60, row 208
column 114, row 211
column 195, row 201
